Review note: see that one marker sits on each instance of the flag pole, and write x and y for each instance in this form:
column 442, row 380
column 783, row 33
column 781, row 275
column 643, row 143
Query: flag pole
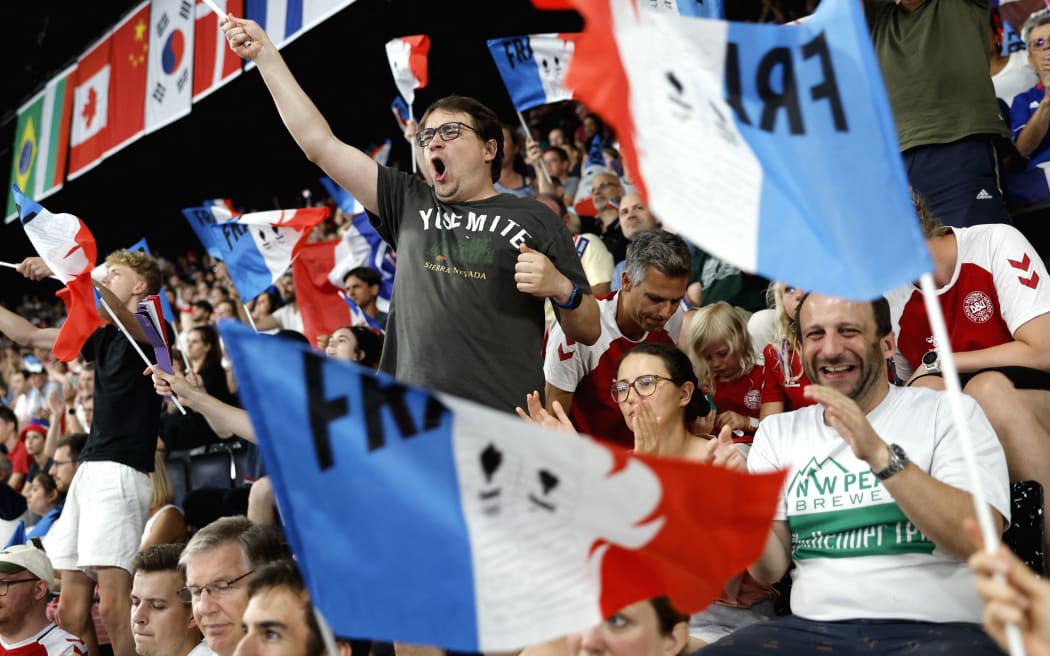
column 251, row 321
column 528, row 136
column 412, row 145
column 138, row 349
column 223, row 15
column 992, row 541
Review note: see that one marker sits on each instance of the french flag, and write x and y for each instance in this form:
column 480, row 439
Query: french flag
column 68, row 248
column 533, row 67
column 358, row 316
column 401, row 112
column 201, row 220
column 795, row 170
column 214, row 63
column 259, row 247
column 361, row 245
column 480, row 532
column 408, row 63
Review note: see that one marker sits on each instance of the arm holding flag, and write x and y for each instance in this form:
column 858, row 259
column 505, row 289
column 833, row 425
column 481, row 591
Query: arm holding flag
column 351, row 168
column 225, row 419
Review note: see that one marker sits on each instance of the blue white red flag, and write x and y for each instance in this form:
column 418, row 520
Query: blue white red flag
column 361, row 245
column 401, row 112
column 766, row 116
column 533, row 67
column 380, row 152
column 259, row 247
column 201, row 220
column 695, row 8
column 483, row 532
column 408, row 63
column 67, row 247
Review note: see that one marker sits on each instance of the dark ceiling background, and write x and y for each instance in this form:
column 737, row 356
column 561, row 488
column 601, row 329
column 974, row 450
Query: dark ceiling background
column 233, row 144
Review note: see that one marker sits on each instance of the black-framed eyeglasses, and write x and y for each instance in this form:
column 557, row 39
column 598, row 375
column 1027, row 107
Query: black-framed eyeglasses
column 6, row 585
column 448, row 132
column 645, row 385
column 1039, row 44
column 219, row 588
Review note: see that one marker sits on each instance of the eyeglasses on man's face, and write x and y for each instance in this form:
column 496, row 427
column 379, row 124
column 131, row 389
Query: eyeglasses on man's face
column 6, row 585
column 219, row 588
column 447, row 131
column 644, row 385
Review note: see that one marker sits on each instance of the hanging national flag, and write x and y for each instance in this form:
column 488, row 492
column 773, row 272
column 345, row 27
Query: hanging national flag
column 109, row 97
column 361, row 245
column 408, row 63
column 764, row 114
column 259, row 247
column 68, row 249
column 533, row 67
column 484, row 533
column 42, row 140
column 286, row 20
column 202, row 218
column 214, row 63
column 319, row 303
column 169, row 83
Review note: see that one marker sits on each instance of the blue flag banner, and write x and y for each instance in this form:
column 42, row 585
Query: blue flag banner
column 201, row 220
column 795, row 169
column 421, row 518
column 533, row 67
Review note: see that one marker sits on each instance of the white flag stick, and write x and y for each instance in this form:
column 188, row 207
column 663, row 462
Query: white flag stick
column 415, row 167
column 113, row 316
column 528, row 135
column 251, row 321
column 222, row 14
column 992, row 541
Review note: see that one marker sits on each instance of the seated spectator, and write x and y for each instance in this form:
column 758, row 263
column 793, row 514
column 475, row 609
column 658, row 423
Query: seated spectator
column 45, row 502
column 218, row 559
column 606, row 190
column 162, row 623
column 166, row 524
column 577, row 376
column 26, row 580
column 717, row 341
column 557, row 164
column 362, row 286
column 356, row 344
column 993, row 292
column 1011, row 74
column 784, row 381
column 287, row 316
column 279, row 619
column 16, row 451
column 634, row 217
column 1027, row 191
column 883, row 564
column 514, row 177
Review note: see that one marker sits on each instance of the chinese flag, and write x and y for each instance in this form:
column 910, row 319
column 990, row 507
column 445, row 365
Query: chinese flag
column 127, row 82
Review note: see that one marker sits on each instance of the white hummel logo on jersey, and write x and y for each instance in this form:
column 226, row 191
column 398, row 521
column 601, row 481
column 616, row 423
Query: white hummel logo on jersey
column 983, row 195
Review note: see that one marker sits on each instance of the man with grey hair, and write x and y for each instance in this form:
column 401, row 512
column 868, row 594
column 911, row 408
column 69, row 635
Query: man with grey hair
column 645, row 309
column 217, row 562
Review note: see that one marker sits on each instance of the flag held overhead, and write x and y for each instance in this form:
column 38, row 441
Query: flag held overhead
column 533, row 67
column 794, row 166
column 408, row 63
column 68, row 249
column 480, row 532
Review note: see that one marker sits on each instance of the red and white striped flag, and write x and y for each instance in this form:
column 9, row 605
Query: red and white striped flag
column 408, row 63
column 214, row 63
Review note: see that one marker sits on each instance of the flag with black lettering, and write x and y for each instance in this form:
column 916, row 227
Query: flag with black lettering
column 447, row 523
column 533, row 67
column 794, row 165
column 258, row 248
column 213, row 212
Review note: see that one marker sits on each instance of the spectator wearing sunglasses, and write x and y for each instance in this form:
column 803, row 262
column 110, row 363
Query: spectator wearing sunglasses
column 474, row 266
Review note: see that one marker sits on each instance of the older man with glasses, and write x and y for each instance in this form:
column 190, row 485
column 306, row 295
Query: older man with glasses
column 26, row 579
column 217, row 562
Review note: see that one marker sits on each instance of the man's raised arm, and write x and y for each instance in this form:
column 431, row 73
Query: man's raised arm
column 351, row 168
column 24, row 333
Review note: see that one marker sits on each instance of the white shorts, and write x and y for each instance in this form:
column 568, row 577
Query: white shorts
column 102, row 520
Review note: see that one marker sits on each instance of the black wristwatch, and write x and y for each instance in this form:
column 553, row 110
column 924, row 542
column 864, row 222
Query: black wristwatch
column 575, row 298
column 931, row 362
column 898, row 461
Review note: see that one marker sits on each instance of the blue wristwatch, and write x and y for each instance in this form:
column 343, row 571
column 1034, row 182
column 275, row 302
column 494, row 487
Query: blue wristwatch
column 575, row 298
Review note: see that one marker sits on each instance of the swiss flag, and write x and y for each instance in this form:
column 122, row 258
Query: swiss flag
column 109, row 93
column 214, row 64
